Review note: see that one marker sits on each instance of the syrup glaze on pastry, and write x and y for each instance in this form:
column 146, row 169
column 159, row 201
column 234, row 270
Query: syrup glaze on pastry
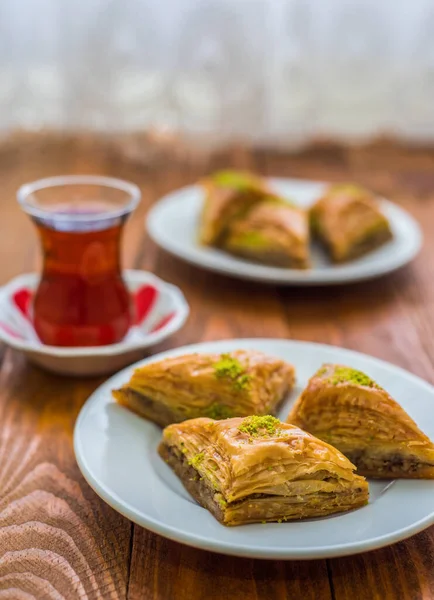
column 236, row 383
column 273, row 232
column 347, row 409
column 349, row 222
column 258, row 469
column 228, row 195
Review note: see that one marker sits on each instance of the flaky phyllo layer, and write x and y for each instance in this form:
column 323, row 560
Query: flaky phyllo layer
column 228, row 195
column 273, row 232
column 349, row 221
column 259, row 469
column 219, row 386
column 243, row 216
column 347, row 409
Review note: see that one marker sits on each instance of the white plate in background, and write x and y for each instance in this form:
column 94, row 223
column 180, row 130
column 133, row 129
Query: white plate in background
column 173, row 224
column 117, row 454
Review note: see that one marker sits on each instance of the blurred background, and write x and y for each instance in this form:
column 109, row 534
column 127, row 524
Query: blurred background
column 279, row 73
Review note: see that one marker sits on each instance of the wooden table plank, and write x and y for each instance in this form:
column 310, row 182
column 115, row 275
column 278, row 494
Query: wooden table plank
column 51, row 524
column 162, row 570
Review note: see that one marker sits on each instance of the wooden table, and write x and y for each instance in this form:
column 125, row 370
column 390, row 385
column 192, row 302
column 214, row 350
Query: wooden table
column 57, row 539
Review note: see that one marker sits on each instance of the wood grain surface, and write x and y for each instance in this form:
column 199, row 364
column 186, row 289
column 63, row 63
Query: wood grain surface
column 57, row 539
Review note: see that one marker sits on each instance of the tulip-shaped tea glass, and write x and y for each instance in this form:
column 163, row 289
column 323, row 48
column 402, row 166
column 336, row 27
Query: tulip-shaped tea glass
column 81, row 299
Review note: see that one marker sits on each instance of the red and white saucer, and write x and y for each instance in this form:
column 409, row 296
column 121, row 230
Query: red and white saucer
column 161, row 310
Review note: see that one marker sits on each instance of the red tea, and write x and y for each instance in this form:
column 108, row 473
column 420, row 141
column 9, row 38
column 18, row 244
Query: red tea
column 82, row 299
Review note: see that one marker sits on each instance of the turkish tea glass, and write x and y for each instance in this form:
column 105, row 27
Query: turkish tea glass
column 81, row 299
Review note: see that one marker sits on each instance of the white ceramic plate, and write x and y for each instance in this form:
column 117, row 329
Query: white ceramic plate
column 117, row 454
column 173, row 224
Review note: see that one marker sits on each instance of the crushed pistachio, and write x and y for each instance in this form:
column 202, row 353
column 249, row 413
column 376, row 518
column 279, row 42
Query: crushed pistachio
column 218, row 411
column 259, row 426
column 228, row 366
column 322, row 371
column 251, row 238
column 349, row 188
column 196, row 460
column 237, row 180
column 220, row 500
column 231, row 368
column 348, row 375
column 242, row 382
column 278, row 201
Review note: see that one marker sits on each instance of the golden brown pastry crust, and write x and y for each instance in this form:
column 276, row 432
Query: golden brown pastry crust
column 237, row 383
column 350, row 411
column 258, row 469
column 273, row 232
column 228, row 195
column 349, row 222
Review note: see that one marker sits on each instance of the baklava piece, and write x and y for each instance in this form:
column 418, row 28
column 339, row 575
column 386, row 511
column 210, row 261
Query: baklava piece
column 258, row 469
column 347, row 409
column 219, row 386
column 273, row 232
column 348, row 220
column 228, row 195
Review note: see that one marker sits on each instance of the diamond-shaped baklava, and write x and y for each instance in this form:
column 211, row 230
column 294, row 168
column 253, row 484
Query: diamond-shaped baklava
column 347, row 409
column 238, row 383
column 273, row 232
column 349, row 221
column 258, row 469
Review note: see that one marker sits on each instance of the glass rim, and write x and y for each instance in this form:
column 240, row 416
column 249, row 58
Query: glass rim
column 27, row 189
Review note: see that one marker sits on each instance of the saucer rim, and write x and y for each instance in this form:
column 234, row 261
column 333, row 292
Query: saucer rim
column 122, row 347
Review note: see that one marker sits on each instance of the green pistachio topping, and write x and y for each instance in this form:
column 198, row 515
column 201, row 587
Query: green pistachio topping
column 237, row 180
column 350, row 188
column 231, row 368
column 242, row 382
column 251, row 238
column 348, row 375
column 218, row 411
column 259, row 426
column 279, row 201
column 220, row 500
column 196, row 460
